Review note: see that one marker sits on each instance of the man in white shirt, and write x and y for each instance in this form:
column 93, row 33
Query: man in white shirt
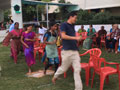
column 11, row 26
column 42, row 31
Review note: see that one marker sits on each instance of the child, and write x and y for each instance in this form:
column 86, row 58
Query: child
column 27, row 39
column 51, row 47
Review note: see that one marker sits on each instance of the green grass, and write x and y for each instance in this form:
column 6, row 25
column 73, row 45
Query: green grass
column 13, row 76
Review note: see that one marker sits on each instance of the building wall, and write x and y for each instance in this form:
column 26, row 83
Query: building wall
column 1, row 15
column 81, row 3
column 15, row 16
column 115, row 11
column 53, row 8
column 94, row 4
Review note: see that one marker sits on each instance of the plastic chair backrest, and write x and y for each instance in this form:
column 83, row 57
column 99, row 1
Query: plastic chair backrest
column 42, row 46
column 77, row 34
column 36, row 43
column 84, row 35
column 97, row 61
column 59, row 50
column 103, row 38
column 93, row 51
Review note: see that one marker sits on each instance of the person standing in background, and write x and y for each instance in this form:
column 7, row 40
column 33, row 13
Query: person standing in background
column 11, row 25
column 42, row 31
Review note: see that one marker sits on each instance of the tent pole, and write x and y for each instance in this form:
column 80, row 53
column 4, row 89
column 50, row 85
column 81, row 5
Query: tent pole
column 47, row 16
column 37, row 13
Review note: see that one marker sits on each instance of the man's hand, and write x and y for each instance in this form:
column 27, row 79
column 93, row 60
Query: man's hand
column 79, row 38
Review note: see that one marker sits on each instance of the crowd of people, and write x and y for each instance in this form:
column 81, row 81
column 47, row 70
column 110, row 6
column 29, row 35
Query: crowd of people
column 5, row 25
column 58, row 35
column 110, row 39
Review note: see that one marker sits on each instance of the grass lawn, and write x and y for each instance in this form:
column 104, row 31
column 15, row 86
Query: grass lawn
column 13, row 75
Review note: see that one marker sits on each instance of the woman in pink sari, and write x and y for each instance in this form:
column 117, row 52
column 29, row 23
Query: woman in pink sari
column 27, row 39
column 13, row 38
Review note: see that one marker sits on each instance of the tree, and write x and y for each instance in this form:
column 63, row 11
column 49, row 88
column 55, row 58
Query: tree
column 84, row 17
column 30, row 12
column 102, row 17
column 63, row 10
column 6, row 15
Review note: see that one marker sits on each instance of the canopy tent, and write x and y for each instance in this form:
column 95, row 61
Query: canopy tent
column 44, row 3
column 73, row 7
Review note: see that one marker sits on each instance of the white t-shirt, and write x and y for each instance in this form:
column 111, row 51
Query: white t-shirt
column 42, row 31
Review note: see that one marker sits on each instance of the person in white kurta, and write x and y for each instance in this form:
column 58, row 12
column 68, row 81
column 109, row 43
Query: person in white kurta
column 42, row 31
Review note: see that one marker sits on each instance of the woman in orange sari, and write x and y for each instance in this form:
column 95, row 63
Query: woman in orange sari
column 13, row 38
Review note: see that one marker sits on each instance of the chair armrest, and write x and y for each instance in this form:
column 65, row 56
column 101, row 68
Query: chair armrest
column 84, row 53
column 113, row 63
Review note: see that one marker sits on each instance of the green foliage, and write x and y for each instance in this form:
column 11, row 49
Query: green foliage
column 63, row 10
column 46, row 0
column 85, row 17
column 6, row 15
column 102, row 17
column 29, row 11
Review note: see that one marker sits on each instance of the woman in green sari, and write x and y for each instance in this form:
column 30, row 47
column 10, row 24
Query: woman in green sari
column 88, row 41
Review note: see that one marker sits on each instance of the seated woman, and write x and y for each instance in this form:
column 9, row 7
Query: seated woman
column 2, row 26
column 88, row 41
column 112, row 38
column 81, row 29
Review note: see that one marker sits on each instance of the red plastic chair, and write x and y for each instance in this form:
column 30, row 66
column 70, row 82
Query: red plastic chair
column 36, row 46
column 77, row 34
column 116, row 46
column 94, row 43
column 84, row 35
column 88, row 66
column 41, row 49
column 103, row 41
column 104, row 71
column 59, row 54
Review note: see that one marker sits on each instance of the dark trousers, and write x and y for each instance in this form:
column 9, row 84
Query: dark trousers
column 49, row 65
column 98, row 39
column 110, row 43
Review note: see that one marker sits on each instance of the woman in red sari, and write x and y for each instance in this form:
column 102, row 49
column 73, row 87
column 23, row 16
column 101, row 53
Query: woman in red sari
column 13, row 38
